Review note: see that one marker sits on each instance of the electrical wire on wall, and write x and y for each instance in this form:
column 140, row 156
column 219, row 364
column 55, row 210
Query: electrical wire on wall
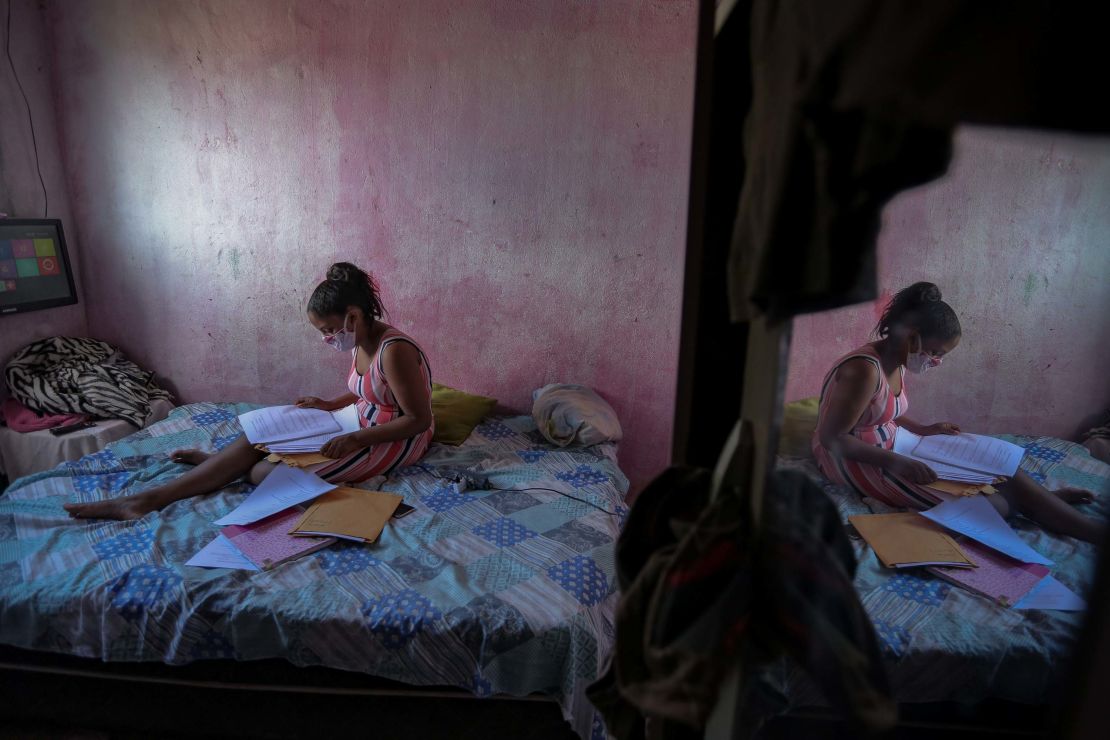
column 30, row 120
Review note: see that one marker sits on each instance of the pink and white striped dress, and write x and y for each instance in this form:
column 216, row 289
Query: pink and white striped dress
column 376, row 406
column 875, row 427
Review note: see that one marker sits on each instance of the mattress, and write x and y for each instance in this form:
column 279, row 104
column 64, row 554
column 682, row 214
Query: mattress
column 943, row 643
column 495, row 592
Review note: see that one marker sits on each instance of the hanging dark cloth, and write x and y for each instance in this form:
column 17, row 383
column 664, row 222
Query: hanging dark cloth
column 855, row 100
column 700, row 596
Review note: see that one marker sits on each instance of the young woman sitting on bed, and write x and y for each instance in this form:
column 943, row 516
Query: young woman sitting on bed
column 389, row 381
column 863, row 402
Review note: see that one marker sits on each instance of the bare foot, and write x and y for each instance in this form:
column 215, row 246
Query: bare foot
column 1074, row 495
column 125, row 507
column 189, row 457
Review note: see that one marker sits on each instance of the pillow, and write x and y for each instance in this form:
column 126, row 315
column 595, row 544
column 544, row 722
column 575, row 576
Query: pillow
column 573, row 414
column 457, row 413
column 799, row 422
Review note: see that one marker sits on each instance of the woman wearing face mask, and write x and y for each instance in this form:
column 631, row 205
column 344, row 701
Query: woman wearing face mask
column 864, row 401
column 389, row 382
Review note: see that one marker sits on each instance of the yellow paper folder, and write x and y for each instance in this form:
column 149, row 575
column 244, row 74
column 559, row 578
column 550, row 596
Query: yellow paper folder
column 908, row 539
column 348, row 513
column 956, row 488
column 299, row 459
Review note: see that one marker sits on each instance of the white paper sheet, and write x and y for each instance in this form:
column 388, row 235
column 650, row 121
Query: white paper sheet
column 280, row 423
column 348, row 420
column 220, row 553
column 282, row 488
column 971, row 451
column 975, row 517
column 949, row 472
column 1051, row 594
column 905, row 442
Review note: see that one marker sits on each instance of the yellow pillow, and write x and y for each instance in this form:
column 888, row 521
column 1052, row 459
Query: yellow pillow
column 799, row 422
column 457, row 413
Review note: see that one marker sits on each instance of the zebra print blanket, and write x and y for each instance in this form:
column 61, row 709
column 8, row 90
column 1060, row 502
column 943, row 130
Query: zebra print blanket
column 60, row 375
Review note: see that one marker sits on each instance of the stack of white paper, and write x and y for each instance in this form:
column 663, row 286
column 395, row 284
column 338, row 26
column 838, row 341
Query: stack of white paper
column 972, row 451
column 968, row 458
column 346, row 418
column 280, row 423
column 293, row 429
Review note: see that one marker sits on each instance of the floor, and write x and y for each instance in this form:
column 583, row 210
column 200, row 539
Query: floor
column 54, row 707
column 802, row 729
column 57, row 697
column 793, row 731
column 20, row 731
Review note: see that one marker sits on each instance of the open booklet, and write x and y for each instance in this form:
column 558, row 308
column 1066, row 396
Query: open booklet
column 293, row 429
column 971, row 458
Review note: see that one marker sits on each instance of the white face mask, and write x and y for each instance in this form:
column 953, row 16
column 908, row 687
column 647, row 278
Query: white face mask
column 920, row 362
column 343, row 340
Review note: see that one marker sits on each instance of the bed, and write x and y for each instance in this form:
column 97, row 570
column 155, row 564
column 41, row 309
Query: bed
column 493, row 592
column 944, row 644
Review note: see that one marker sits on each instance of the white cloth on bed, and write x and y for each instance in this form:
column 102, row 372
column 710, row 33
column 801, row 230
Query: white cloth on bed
column 24, row 453
column 569, row 414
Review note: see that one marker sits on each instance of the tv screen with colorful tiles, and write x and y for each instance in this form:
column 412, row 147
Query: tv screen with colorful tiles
column 34, row 266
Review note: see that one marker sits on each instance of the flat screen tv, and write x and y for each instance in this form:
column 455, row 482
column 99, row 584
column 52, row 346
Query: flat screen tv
column 34, row 266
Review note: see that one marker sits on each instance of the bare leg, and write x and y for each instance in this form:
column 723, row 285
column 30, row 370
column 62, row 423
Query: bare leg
column 260, row 470
column 1073, row 495
column 1001, row 504
column 212, row 474
column 190, row 457
column 1053, row 512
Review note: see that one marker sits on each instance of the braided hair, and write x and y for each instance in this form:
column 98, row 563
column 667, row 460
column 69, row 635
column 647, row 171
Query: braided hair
column 919, row 307
column 346, row 285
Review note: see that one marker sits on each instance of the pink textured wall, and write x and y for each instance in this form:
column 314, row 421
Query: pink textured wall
column 514, row 174
column 20, row 191
column 1017, row 236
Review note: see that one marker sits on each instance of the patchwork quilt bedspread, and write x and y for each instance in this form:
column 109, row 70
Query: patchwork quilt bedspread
column 943, row 643
column 507, row 592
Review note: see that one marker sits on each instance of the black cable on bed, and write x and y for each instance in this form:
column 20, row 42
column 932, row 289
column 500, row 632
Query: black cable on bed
column 553, row 490
column 468, row 476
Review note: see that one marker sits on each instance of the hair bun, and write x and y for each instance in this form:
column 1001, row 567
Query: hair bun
column 346, row 285
column 345, row 272
column 924, row 292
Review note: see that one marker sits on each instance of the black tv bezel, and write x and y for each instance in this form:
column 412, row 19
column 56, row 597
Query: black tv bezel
column 63, row 251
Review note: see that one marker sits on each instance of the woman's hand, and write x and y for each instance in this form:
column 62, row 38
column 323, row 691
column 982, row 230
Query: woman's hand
column 312, row 402
column 944, row 427
column 342, row 446
column 911, row 470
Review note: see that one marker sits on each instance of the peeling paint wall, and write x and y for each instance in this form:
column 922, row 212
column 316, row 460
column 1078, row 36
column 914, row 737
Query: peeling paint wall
column 513, row 173
column 1017, row 236
column 20, row 190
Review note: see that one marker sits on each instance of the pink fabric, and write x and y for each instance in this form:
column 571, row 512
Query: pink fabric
column 22, row 419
